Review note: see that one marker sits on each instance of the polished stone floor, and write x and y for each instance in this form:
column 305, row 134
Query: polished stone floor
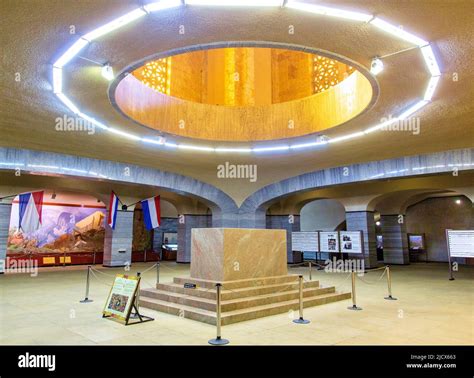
column 430, row 310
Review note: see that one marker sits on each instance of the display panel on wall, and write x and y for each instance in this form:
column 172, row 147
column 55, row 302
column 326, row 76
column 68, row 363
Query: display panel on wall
column 64, row 228
column 305, row 241
column 351, row 241
column 416, row 242
column 460, row 243
column 329, row 241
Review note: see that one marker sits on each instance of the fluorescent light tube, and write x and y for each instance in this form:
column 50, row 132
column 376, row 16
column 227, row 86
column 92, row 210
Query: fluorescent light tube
column 71, row 53
column 346, row 137
column 407, row 113
column 230, row 149
column 431, row 88
column 236, row 3
column 430, row 60
column 276, row 148
column 73, row 108
column 93, row 121
column 195, row 148
column 115, row 24
column 327, row 11
column 57, row 80
column 398, row 32
column 160, row 5
column 305, row 145
column 124, row 134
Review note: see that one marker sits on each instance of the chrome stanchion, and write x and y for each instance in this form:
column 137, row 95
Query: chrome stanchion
column 93, row 259
column 144, row 257
column 389, row 283
column 157, row 272
column 301, row 320
column 354, row 306
column 86, row 298
column 310, row 272
column 218, row 340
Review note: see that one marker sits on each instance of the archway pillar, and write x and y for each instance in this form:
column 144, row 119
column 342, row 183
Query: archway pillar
column 186, row 222
column 364, row 221
column 290, row 223
column 395, row 243
column 118, row 242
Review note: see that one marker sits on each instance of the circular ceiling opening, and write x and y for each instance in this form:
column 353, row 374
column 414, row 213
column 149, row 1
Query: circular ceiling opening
column 243, row 94
column 242, row 76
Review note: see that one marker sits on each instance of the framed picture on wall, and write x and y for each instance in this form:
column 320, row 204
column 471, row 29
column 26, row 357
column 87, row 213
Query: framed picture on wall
column 416, row 242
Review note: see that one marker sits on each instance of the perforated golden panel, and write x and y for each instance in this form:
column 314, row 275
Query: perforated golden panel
column 156, row 75
column 328, row 72
column 243, row 76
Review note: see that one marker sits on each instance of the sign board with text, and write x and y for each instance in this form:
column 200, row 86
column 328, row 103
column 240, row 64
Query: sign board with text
column 460, row 243
column 351, row 241
column 329, row 241
column 121, row 297
column 305, row 241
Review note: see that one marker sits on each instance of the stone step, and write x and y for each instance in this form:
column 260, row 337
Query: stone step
column 235, row 293
column 237, row 284
column 233, row 304
column 235, row 316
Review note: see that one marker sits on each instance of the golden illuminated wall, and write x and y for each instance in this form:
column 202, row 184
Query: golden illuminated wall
column 242, row 76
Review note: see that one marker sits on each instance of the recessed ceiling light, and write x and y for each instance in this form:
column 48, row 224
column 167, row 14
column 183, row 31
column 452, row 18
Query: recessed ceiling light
column 376, row 66
column 107, row 72
column 458, row 201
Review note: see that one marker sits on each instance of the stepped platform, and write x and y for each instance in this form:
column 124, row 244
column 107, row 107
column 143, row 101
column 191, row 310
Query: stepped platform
column 241, row 299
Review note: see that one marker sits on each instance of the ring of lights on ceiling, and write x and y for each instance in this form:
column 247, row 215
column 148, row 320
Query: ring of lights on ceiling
column 129, row 17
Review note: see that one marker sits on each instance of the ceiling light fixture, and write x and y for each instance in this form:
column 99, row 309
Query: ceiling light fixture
column 398, row 32
column 71, row 53
column 433, row 83
column 458, row 201
column 426, row 50
column 430, row 60
column 327, row 11
column 115, row 24
column 107, row 72
column 160, row 5
column 236, row 3
column 73, row 108
column 376, row 66
column 57, row 80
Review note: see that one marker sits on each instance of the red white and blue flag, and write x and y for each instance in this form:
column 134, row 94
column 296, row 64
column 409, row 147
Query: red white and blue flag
column 113, row 208
column 151, row 212
column 30, row 209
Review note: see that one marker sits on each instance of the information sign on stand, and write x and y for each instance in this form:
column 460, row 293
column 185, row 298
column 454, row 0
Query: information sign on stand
column 460, row 244
column 122, row 299
column 329, row 241
column 351, row 241
column 303, row 241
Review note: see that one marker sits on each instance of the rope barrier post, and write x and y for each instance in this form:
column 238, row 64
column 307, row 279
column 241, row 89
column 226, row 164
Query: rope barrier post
column 310, row 271
column 157, row 272
column 218, row 340
column 301, row 320
column 93, row 259
column 86, row 298
column 144, row 257
column 389, row 283
column 354, row 306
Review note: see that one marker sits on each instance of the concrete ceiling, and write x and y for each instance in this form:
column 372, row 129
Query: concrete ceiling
column 32, row 37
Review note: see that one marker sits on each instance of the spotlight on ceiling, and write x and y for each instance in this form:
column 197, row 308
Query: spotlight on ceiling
column 377, row 223
column 458, row 201
column 108, row 72
column 53, row 196
column 376, row 66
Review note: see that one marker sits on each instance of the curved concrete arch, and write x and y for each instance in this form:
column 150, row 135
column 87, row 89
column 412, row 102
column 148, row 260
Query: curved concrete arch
column 223, row 206
column 252, row 210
